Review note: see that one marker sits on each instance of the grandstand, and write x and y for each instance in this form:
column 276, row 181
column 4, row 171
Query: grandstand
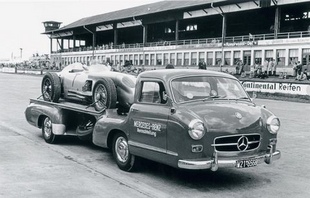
column 183, row 33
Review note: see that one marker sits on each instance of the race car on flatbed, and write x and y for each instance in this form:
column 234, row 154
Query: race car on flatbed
column 94, row 84
column 185, row 118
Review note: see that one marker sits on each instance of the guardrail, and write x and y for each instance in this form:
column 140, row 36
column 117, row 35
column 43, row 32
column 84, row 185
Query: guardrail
column 23, row 70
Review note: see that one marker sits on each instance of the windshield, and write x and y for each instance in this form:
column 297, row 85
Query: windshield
column 204, row 87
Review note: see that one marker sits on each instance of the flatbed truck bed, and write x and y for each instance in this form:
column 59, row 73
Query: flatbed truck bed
column 67, row 105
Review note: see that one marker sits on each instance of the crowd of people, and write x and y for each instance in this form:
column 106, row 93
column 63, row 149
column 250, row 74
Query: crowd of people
column 265, row 70
column 269, row 68
column 262, row 71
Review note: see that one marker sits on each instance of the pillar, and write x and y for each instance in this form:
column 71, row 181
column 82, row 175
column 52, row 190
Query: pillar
column 115, row 40
column 61, row 44
column 252, row 57
column 74, row 45
column 277, row 22
column 145, row 34
column 177, row 30
column 51, row 43
column 232, row 58
column 224, row 27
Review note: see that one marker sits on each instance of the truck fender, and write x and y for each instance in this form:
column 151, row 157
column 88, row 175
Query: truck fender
column 35, row 113
column 104, row 129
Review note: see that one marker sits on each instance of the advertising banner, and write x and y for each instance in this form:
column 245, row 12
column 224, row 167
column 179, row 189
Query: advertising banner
column 277, row 87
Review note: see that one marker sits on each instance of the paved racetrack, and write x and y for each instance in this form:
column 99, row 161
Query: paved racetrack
column 72, row 168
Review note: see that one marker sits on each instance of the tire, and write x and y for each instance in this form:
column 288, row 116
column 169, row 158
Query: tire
column 104, row 94
column 124, row 159
column 47, row 131
column 51, row 87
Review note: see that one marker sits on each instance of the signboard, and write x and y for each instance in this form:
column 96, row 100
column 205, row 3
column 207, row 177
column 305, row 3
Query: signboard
column 277, row 87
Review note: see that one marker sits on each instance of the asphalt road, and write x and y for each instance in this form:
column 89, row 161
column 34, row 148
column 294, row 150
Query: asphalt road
column 72, row 168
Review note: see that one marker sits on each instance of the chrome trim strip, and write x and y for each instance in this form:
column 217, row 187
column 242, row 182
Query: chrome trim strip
column 230, row 144
column 253, row 142
column 237, row 135
column 234, row 144
column 152, row 148
column 218, row 163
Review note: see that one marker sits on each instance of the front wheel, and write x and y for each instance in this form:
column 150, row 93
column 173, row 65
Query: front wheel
column 104, row 94
column 47, row 131
column 124, row 159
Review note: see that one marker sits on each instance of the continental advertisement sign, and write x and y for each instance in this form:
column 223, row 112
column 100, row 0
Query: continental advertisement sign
column 277, row 87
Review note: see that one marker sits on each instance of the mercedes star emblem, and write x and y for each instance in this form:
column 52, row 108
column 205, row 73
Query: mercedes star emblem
column 242, row 143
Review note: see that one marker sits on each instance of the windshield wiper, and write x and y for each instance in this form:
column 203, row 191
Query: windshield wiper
column 214, row 97
column 243, row 98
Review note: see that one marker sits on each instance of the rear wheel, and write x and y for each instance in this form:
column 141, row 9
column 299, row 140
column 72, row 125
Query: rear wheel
column 104, row 94
column 124, row 159
column 47, row 131
column 51, row 87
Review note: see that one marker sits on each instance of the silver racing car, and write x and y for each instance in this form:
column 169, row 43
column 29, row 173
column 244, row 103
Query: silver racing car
column 96, row 85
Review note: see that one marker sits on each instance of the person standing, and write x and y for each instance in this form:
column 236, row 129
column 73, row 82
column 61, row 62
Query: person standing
column 237, row 67
column 265, row 68
column 241, row 67
column 274, row 67
column 202, row 65
column 257, row 69
column 298, row 69
column 270, row 67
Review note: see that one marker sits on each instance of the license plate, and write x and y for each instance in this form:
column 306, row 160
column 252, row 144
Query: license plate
column 246, row 163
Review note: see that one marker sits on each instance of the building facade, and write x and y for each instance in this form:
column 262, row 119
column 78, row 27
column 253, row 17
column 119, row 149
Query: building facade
column 184, row 33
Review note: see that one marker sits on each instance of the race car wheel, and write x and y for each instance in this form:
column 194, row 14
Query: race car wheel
column 104, row 94
column 51, row 87
column 47, row 131
column 124, row 159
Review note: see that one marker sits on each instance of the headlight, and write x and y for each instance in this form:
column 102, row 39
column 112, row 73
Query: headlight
column 196, row 129
column 273, row 124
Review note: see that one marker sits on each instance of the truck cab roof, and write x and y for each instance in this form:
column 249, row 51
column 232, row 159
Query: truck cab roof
column 168, row 74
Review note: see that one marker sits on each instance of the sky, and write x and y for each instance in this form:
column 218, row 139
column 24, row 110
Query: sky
column 21, row 21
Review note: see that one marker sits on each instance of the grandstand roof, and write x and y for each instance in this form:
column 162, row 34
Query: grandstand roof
column 139, row 11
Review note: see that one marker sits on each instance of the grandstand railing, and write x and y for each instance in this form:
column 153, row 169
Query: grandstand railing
column 229, row 39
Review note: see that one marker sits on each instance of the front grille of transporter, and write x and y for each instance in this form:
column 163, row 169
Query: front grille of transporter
column 237, row 143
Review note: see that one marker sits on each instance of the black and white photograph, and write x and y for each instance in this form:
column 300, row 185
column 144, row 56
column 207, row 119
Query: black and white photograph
column 155, row 98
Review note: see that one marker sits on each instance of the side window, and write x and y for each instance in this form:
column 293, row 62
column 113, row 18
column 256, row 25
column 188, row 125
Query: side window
column 152, row 92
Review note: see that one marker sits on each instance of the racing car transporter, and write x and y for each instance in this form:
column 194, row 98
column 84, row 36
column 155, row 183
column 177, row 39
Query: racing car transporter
column 189, row 119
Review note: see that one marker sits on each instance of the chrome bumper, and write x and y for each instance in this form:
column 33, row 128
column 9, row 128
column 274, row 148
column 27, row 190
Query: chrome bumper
column 216, row 163
column 59, row 129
